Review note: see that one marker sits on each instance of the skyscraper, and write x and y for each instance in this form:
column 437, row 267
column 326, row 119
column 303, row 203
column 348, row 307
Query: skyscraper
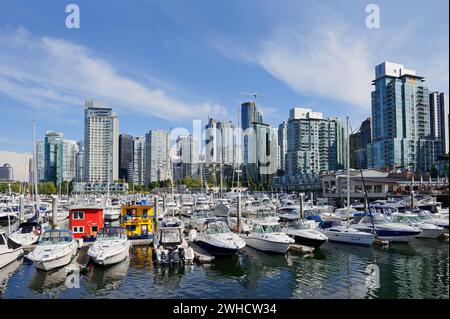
column 314, row 144
column 188, row 155
column 249, row 115
column 282, row 144
column 358, row 143
column 40, row 154
column 157, row 157
column 101, row 143
column 401, row 130
column 137, row 164
column 125, row 157
column 69, row 160
column 226, row 129
column 53, row 150
column 439, row 117
column 79, row 176
column 213, row 149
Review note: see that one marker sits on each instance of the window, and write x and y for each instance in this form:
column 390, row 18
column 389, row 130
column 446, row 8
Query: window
column 94, row 228
column 78, row 215
column 378, row 188
column 257, row 229
column 78, row 229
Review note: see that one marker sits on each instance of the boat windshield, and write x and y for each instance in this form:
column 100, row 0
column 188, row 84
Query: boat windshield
column 55, row 237
column 272, row 228
column 297, row 224
column 111, row 233
column 217, row 228
column 415, row 219
column 402, row 219
column 377, row 219
column 425, row 215
column 170, row 235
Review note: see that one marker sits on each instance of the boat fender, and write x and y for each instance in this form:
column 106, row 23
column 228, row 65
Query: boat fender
column 36, row 231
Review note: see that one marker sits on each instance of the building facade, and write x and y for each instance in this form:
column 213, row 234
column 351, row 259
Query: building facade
column 439, row 118
column 125, row 157
column 401, row 130
column 314, row 145
column 6, row 172
column 137, row 164
column 53, row 150
column 157, row 156
column 358, row 144
column 101, row 143
column 69, row 160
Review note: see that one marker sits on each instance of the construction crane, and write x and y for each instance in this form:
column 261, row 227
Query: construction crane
column 254, row 94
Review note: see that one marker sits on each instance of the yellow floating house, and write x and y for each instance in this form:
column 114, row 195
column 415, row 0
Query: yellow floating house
column 138, row 220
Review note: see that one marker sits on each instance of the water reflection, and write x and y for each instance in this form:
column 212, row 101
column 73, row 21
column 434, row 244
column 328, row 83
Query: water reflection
column 105, row 279
column 49, row 282
column 6, row 273
column 142, row 257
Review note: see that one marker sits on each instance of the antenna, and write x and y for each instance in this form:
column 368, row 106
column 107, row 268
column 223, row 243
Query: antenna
column 254, row 94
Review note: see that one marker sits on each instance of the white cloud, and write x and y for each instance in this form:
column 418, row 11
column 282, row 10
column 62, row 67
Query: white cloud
column 330, row 64
column 51, row 73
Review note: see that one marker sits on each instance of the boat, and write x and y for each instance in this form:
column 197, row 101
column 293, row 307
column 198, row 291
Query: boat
column 385, row 229
column 429, row 230
column 55, row 249
column 427, row 217
column 9, row 250
column 301, row 231
column 338, row 233
column 110, row 247
column 217, row 239
column 199, row 218
column 7, row 215
column 266, row 235
column 169, row 245
column 111, row 213
column 28, row 233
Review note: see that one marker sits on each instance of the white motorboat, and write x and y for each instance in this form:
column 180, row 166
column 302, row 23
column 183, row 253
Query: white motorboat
column 266, row 235
column 199, row 218
column 110, row 247
column 338, row 233
column 28, row 233
column 217, row 239
column 386, row 230
column 55, row 249
column 429, row 230
column 111, row 213
column 427, row 217
column 9, row 250
column 7, row 215
column 169, row 245
column 301, row 231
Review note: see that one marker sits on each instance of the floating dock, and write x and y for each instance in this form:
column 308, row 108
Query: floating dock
column 302, row 249
column 81, row 261
column 201, row 255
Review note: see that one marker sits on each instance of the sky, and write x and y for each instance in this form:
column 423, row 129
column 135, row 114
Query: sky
column 161, row 64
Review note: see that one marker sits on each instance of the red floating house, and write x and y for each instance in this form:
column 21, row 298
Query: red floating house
column 85, row 221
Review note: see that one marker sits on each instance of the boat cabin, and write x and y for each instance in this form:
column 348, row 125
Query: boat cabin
column 86, row 221
column 138, row 221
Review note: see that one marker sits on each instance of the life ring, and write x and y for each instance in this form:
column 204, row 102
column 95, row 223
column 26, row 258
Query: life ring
column 36, row 231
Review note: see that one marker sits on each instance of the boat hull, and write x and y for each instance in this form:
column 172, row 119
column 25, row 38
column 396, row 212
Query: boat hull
column 9, row 256
column 350, row 239
column 430, row 233
column 267, row 246
column 54, row 263
column 112, row 259
column 217, row 250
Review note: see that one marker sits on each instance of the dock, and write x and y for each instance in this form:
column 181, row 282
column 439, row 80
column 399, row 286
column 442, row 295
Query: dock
column 201, row 255
column 302, row 249
column 80, row 262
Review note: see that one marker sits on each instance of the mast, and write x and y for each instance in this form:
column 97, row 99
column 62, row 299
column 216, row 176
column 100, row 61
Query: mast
column 348, row 165
column 34, row 162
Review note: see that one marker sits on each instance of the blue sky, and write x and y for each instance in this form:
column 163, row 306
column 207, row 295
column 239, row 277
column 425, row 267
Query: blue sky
column 160, row 64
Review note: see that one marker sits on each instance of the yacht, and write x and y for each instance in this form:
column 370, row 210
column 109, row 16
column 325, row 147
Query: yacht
column 266, row 235
column 217, row 239
column 199, row 218
column 427, row 217
column 111, row 213
column 28, row 233
column 9, row 250
column 55, row 249
column 110, row 247
column 7, row 215
column 169, row 245
column 301, row 231
column 429, row 230
column 338, row 233
column 386, row 230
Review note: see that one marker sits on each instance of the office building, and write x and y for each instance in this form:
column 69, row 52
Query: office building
column 439, row 117
column 157, row 156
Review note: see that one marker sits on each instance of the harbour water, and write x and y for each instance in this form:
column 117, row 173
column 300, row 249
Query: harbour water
column 419, row 269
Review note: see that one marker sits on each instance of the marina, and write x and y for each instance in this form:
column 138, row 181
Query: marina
column 258, row 249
